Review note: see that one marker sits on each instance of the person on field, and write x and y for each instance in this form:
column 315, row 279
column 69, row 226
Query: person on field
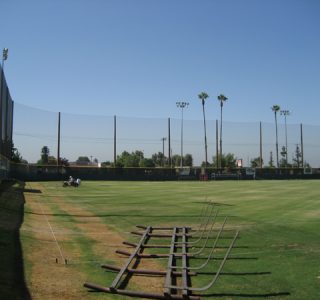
column 71, row 180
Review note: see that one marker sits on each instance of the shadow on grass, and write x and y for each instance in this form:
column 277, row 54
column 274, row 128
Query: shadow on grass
column 12, row 281
column 214, row 203
column 133, row 215
column 244, row 295
column 236, row 273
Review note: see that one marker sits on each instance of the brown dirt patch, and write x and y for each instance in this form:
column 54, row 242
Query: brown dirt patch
column 48, row 280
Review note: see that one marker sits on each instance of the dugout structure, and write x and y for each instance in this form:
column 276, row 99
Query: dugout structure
column 6, row 125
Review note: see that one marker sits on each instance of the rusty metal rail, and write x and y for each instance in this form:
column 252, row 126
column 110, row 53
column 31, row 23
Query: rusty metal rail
column 129, row 260
column 178, row 260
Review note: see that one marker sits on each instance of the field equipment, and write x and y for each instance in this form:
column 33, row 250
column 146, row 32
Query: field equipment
column 177, row 281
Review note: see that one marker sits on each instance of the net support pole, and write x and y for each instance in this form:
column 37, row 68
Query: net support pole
column 58, row 150
column 115, row 140
column 169, row 143
column 301, row 138
column 217, row 147
column 260, row 159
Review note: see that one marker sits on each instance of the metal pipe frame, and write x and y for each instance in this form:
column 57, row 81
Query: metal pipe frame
column 170, row 291
column 129, row 260
column 213, row 281
column 131, row 293
column 146, row 272
column 211, row 253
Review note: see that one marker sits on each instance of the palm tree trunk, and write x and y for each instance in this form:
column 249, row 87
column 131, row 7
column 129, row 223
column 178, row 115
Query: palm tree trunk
column 220, row 156
column 205, row 136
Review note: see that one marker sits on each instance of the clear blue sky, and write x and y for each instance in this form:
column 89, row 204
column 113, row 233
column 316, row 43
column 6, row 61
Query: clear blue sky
column 137, row 58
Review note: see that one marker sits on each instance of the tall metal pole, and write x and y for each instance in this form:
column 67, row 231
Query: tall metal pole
column 277, row 146
column 285, row 113
column 260, row 145
column 58, row 150
column 301, row 137
column 169, row 143
column 217, row 144
column 114, row 141
column 182, row 105
column 163, row 139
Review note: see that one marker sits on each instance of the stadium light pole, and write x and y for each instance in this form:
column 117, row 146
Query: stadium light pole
column 182, row 105
column 4, row 56
column 275, row 109
column 285, row 113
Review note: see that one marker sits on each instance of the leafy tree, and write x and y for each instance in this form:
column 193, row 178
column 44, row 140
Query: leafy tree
column 17, row 158
column 255, row 163
column 106, row 164
column 271, row 165
column 83, row 160
column 127, row 159
column 283, row 161
column 64, row 162
column 52, row 160
column 297, row 157
column 188, row 160
column 44, row 155
column 146, row 163
column 228, row 160
column 176, row 159
column 158, row 159
column 46, row 159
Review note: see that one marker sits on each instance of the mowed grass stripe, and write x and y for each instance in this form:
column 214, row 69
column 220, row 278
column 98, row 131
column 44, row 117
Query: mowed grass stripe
column 279, row 222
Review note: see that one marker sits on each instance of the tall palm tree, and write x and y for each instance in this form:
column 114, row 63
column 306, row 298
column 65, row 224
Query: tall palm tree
column 222, row 98
column 203, row 96
column 275, row 109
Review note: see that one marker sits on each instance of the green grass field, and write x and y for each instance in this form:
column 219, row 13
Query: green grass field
column 277, row 254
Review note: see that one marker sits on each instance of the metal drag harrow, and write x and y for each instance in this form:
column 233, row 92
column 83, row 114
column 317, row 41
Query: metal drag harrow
column 179, row 256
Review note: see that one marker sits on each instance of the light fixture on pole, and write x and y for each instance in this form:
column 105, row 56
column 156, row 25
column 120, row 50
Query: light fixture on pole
column 285, row 113
column 182, row 105
column 4, row 56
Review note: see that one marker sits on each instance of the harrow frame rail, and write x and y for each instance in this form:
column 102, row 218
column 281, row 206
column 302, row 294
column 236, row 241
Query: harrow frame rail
column 178, row 251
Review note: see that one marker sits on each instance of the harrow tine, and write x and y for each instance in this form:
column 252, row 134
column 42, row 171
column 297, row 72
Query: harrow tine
column 204, row 229
column 212, row 250
column 213, row 281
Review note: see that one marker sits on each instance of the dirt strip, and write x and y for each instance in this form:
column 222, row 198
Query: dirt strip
column 47, row 279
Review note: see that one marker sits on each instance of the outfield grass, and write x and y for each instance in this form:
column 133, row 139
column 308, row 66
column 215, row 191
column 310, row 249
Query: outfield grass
column 279, row 224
